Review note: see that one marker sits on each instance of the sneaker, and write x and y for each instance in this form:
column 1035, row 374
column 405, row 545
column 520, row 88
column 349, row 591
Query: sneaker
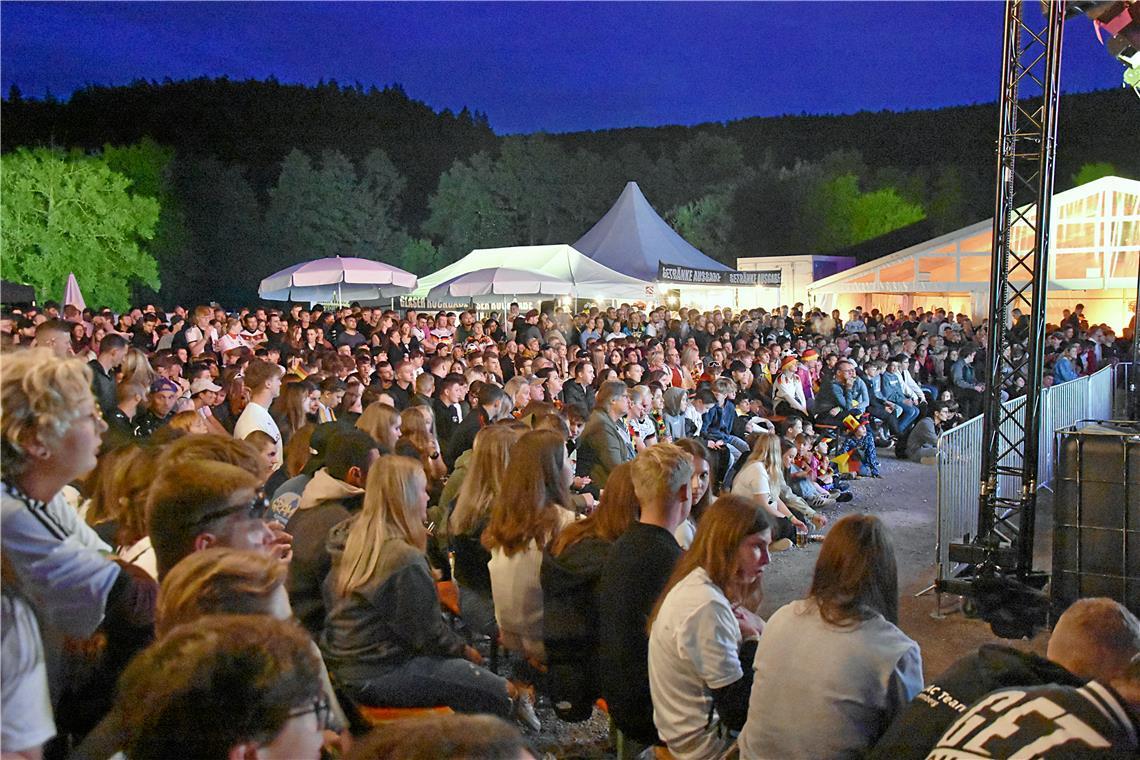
column 524, row 710
column 844, row 497
column 781, row 545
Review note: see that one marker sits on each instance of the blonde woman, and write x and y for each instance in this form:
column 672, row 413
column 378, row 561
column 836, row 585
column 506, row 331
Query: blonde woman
column 418, row 440
column 383, row 423
column 136, row 369
column 704, row 629
column 480, row 490
column 527, row 516
column 384, row 637
column 760, row 480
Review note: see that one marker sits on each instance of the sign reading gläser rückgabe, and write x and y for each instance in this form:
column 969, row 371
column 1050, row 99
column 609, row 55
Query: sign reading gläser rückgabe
column 691, row 276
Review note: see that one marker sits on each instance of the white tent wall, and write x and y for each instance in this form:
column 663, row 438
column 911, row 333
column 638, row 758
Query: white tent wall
column 1095, row 241
column 797, row 273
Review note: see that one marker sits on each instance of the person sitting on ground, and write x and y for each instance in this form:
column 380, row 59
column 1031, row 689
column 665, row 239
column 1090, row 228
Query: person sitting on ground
column 872, row 669
column 755, row 482
column 384, row 638
column 482, row 483
column 1094, row 639
column 225, row 686
column 705, row 626
column 527, row 516
column 860, row 440
column 335, row 493
column 1097, row 719
column 571, row 570
column 922, row 444
column 634, row 575
column 701, row 491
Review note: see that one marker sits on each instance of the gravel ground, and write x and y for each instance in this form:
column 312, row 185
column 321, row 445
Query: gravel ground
column 906, row 499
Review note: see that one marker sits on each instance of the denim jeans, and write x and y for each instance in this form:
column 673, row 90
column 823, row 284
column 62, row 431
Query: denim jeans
column 430, row 681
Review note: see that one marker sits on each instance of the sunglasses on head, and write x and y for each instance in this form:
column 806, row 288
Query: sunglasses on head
column 252, row 510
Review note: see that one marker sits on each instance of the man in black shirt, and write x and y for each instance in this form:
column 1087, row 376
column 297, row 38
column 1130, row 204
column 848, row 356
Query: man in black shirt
column 635, row 573
column 112, row 351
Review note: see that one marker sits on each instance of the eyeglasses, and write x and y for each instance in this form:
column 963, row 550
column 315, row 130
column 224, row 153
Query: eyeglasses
column 321, row 707
column 254, row 510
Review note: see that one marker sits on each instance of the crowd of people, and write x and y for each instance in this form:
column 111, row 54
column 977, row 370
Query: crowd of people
column 239, row 532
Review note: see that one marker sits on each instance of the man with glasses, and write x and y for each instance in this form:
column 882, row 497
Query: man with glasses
column 200, row 504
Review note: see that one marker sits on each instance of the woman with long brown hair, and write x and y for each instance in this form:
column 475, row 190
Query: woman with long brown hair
column 384, row 638
column 527, row 516
column 418, row 440
column 570, row 574
column 702, row 632
column 383, row 423
column 700, row 488
column 295, row 407
column 871, row 668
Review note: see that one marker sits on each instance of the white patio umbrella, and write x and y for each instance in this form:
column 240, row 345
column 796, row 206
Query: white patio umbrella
column 501, row 281
column 337, row 279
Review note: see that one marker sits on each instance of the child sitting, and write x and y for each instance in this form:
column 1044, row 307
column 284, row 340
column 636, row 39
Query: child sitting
column 862, row 442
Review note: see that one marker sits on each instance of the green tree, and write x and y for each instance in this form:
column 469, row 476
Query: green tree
column 420, row 257
column 330, row 209
column 852, row 216
column 71, row 213
column 707, row 224
column 1089, row 172
column 465, row 212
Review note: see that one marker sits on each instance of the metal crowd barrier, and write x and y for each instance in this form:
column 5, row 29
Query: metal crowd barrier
column 959, row 464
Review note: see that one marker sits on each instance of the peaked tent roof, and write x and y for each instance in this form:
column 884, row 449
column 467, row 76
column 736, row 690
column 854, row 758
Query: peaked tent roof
column 589, row 278
column 633, row 239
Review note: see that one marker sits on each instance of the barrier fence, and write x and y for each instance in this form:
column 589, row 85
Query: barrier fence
column 959, row 462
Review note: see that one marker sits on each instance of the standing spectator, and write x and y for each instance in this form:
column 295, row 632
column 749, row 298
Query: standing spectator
column 636, row 572
column 872, row 669
column 112, row 351
column 263, row 380
column 704, row 627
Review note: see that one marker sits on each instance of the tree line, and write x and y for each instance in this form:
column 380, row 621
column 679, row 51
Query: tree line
column 248, row 177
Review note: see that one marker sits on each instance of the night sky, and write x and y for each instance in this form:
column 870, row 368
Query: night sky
column 552, row 66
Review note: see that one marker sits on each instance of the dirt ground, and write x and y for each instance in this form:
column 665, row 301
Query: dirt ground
column 905, row 499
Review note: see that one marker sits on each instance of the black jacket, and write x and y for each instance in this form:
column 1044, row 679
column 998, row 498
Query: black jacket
column 574, row 393
column 917, row 729
column 464, row 436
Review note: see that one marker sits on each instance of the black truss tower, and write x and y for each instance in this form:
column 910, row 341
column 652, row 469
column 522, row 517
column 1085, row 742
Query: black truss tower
column 1027, row 130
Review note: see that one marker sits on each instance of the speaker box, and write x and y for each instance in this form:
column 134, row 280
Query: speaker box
column 1096, row 514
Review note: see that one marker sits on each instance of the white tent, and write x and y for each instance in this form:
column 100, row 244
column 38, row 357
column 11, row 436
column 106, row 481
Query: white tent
column 1095, row 254
column 588, row 278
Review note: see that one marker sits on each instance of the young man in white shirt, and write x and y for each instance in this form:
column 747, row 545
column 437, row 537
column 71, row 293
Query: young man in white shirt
column 263, row 380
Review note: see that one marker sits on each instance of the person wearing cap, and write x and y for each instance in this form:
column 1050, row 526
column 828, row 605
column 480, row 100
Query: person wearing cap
column 263, row 380
column 164, row 393
column 808, row 372
column 204, row 395
column 787, row 390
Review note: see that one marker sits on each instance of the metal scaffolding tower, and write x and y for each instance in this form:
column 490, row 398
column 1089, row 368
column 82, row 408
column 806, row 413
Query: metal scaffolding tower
column 1027, row 133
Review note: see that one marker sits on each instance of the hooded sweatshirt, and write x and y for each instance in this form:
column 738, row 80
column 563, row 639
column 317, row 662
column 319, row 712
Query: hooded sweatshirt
column 917, row 729
column 324, row 503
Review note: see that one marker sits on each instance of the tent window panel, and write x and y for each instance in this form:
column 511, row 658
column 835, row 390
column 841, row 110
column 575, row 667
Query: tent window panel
column 1125, row 233
column 1126, row 264
column 1079, row 235
column 980, row 243
column 940, row 269
column 900, row 272
column 1076, row 266
column 869, row 277
column 975, row 268
column 1085, row 208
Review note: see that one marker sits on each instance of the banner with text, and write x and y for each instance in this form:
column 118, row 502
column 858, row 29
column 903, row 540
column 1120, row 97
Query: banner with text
column 690, row 276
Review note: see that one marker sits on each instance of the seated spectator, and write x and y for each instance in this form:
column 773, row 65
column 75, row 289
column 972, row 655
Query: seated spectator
column 335, row 493
column 1097, row 719
column 528, row 514
column 922, row 443
column 164, row 392
column 383, row 423
column 571, row 570
column 871, row 669
column 634, row 575
column 701, row 492
column 704, row 626
column 601, row 446
column 384, row 637
column 225, row 686
column 966, row 388
column 417, row 440
column 482, row 483
column 196, row 504
column 762, row 469
column 468, row 737
column 1094, row 639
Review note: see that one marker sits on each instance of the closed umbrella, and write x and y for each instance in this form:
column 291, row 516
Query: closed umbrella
column 72, row 295
column 342, row 279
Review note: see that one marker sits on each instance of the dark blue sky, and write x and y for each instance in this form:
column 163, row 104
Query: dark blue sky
column 552, row 66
